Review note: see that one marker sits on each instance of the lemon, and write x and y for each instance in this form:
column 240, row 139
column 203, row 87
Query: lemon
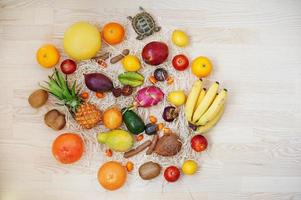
column 189, row 167
column 201, row 66
column 180, row 38
column 177, row 97
column 82, row 41
column 131, row 63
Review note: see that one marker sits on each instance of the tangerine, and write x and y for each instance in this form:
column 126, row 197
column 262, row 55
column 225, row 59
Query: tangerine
column 112, row 118
column 112, row 175
column 48, row 56
column 113, row 33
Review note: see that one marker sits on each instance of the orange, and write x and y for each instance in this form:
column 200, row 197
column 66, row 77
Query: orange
column 48, row 56
column 113, row 33
column 68, row 148
column 112, row 175
column 201, row 66
column 112, row 118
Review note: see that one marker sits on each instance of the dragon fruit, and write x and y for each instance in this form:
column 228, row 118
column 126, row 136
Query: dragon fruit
column 148, row 96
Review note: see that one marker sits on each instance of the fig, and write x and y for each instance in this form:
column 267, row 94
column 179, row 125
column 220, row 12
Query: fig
column 170, row 113
column 98, row 82
column 160, row 74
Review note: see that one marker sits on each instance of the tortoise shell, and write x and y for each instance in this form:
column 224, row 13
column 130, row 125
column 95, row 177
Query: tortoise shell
column 144, row 24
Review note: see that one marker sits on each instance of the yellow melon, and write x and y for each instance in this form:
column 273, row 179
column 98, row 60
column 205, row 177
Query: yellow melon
column 82, row 41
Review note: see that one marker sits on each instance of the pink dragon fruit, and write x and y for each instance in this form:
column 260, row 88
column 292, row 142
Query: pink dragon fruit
column 148, row 96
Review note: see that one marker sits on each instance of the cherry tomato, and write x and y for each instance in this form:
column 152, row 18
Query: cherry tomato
column 180, row 62
column 199, row 143
column 172, row 173
column 68, row 66
column 68, row 148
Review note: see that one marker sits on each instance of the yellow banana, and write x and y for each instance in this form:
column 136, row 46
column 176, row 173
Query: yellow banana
column 215, row 107
column 200, row 98
column 192, row 98
column 210, row 124
column 206, row 102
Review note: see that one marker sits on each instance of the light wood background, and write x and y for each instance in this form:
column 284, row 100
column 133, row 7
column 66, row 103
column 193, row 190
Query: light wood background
column 255, row 151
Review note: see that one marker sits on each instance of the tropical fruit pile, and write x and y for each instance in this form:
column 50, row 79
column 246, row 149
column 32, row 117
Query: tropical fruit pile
column 133, row 103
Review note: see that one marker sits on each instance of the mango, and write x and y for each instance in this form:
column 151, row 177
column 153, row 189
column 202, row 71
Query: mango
column 117, row 140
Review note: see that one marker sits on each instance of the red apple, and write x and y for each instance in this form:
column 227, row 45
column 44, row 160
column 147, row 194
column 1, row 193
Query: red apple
column 199, row 143
column 172, row 173
column 155, row 53
column 68, row 66
column 180, row 62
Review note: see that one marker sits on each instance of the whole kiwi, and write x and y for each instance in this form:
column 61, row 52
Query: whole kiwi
column 149, row 170
column 55, row 120
column 38, row 98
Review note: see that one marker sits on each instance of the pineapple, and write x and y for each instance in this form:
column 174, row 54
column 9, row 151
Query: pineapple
column 86, row 114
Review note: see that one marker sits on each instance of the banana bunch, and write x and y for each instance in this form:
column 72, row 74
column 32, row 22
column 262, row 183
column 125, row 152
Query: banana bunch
column 205, row 108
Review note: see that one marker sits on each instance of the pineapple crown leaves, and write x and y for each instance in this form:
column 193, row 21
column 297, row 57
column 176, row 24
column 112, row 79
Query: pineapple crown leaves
column 58, row 87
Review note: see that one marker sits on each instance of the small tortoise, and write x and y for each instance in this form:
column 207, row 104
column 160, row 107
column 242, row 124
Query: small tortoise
column 144, row 24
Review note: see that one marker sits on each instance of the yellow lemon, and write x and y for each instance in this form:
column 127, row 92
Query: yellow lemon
column 82, row 41
column 201, row 66
column 177, row 97
column 180, row 38
column 189, row 167
column 131, row 63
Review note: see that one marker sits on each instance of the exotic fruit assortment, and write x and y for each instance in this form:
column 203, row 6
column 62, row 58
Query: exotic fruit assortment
column 132, row 103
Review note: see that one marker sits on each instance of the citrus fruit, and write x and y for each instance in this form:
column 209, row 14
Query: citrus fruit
column 201, row 66
column 68, row 148
column 189, row 167
column 131, row 63
column 112, row 118
column 113, row 33
column 82, row 41
column 48, row 56
column 177, row 97
column 180, row 38
column 112, row 175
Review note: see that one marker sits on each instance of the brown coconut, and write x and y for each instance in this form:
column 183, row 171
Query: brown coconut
column 168, row 145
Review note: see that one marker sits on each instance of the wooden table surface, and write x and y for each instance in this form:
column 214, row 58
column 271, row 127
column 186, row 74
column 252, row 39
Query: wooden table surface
column 255, row 151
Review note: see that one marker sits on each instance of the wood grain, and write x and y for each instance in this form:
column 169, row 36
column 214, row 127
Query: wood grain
column 255, row 151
